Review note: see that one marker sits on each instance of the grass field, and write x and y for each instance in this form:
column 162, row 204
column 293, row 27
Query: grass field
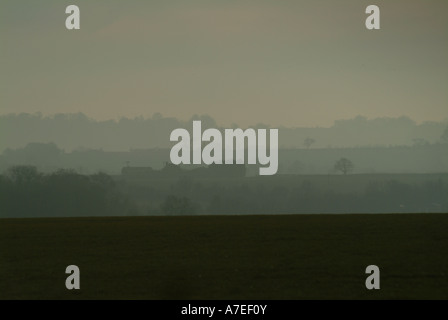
column 226, row 257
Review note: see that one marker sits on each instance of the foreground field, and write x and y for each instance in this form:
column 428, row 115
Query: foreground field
column 226, row 257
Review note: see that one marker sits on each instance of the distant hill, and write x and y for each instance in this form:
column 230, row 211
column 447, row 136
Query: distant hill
column 77, row 132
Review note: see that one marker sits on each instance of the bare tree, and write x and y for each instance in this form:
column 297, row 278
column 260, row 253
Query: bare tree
column 344, row 165
column 444, row 136
column 308, row 142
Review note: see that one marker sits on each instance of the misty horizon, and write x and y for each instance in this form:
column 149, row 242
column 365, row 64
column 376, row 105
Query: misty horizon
column 77, row 131
column 382, row 145
column 160, row 115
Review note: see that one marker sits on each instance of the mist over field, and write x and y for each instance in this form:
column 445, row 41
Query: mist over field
column 363, row 174
column 360, row 165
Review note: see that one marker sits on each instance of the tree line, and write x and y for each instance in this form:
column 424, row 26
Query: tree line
column 26, row 192
column 342, row 194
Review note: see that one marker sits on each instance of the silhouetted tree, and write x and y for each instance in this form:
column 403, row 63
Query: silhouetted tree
column 344, row 165
column 444, row 135
column 308, row 142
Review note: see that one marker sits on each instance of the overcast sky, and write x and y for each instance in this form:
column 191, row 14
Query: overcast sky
column 291, row 63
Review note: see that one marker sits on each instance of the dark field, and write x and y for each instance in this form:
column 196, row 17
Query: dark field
column 226, row 257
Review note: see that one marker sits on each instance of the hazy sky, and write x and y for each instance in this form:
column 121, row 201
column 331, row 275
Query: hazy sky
column 292, row 63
